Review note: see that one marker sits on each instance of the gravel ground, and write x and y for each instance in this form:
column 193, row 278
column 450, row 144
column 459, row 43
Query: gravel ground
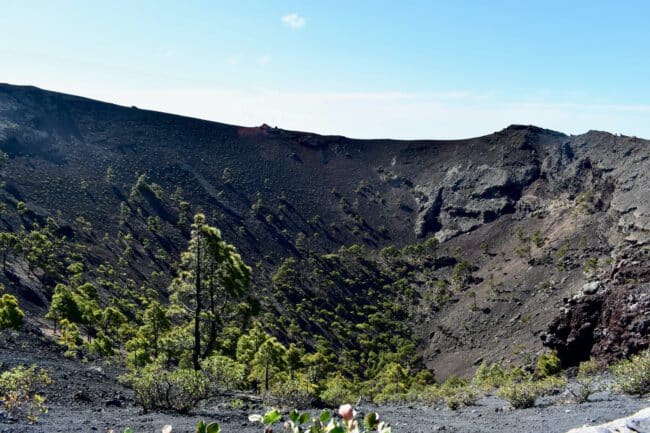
column 86, row 397
column 489, row 415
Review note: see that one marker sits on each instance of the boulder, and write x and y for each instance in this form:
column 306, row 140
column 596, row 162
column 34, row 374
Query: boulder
column 591, row 288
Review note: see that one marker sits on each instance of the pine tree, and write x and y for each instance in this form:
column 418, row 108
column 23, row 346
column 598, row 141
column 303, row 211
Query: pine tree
column 63, row 306
column 9, row 243
column 11, row 316
column 212, row 276
column 155, row 324
column 268, row 361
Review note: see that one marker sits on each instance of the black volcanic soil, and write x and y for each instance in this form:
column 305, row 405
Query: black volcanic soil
column 587, row 195
column 484, row 198
column 488, row 416
column 86, row 397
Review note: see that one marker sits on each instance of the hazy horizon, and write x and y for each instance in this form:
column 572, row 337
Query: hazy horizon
column 424, row 70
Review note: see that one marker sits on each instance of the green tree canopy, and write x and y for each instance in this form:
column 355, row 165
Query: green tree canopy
column 11, row 316
column 63, row 306
column 267, row 362
column 212, row 277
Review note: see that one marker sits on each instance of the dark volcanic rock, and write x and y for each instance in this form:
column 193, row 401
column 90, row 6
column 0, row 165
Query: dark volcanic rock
column 470, row 196
column 610, row 323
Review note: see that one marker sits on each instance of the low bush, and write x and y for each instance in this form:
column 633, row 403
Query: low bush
column 548, row 364
column 325, row 422
column 338, row 388
column 296, row 391
column 632, row 376
column 455, row 392
column 224, row 373
column 101, row 345
column 158, row 388
column 489, row 377
column 463, row 396
column 19, row 389
column 519, row 394
column 390, row 384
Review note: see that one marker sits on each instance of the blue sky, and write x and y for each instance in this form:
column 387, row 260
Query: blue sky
column 413, row 69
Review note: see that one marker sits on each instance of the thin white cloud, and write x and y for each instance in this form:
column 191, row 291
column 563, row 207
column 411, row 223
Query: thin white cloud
column 293, row 21
column 265, row 59
column 235, row 59
column 166, row 52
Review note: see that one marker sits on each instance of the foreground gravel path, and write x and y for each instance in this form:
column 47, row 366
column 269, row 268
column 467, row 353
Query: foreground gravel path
column 489, row 415
column 86, row 397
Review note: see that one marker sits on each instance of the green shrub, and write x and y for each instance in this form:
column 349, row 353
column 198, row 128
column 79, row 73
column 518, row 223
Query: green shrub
column 19, row 391
column 548, row 364
column 455, row 392
column 489, row 377
column 390, row 384
column 223, row 372
column 21, row 207
column 461, row 396
column 588, row 368
column 519, row 394
column 338, row 389
column 428, row 395
column 11, row 316
column 633, row 376
column 70, row 335
column 325, row 422
column 101, row 345
column 454, row 381
column 202, row 427
column 296, row 391
column 158, row 388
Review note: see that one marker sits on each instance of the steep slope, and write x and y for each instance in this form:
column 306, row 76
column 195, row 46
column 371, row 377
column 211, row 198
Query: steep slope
column 525, row 211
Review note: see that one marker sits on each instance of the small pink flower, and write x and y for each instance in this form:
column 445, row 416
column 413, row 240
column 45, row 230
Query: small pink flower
column 346, row 412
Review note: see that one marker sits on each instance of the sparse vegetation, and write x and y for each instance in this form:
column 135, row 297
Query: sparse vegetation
column 632, row 376
column 519, row 394
column 11, row 316
column 548, row 364
column 19, row 391
column 325, row 422
column 158, row 388
column 587, row 381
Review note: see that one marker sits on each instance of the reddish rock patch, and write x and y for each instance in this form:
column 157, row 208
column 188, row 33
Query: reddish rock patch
column 610, row 324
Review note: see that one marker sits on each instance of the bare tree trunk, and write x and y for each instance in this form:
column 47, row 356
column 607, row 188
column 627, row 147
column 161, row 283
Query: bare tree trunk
column 197, row 312
column 212, row 336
